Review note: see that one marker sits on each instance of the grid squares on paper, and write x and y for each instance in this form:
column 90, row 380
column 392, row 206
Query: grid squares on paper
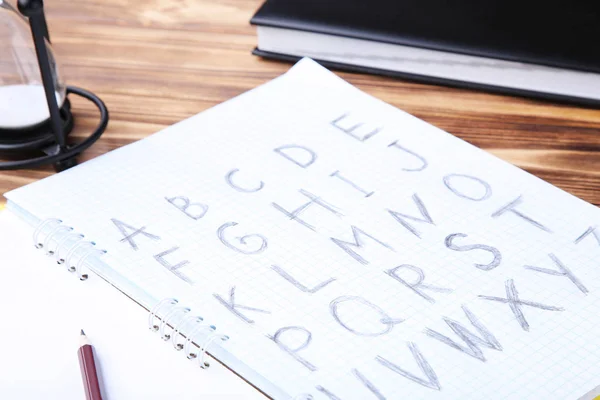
column 192, row 160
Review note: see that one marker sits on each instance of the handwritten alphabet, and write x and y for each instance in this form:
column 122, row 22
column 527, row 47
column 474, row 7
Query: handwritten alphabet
column 368, row 384
column 448, row 179
column 193, row 210
column 425, row 217
column 327, row 393
column 420, row 223
column 299, row 285
column 277, row 338
column 173, row 268
column 592, row 230
column 562, row 271
column 468, row 247
column 385, row 320
column 129, row 237
column 358, row 242
column 294, row 215
column 229, row 180
column 420, row 158
column 337, row 174
column 232, row 306
column 418, row 286
column 430, row 380
column 297, row 154
column 515, row 303
column 246, row 247
column 352, row 128
column 511, row 208
column 471, row 340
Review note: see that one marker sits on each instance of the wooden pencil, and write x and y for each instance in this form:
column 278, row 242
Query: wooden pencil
column 88, row 369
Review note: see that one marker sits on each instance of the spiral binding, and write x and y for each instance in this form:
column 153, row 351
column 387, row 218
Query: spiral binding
column 195, row 319
column 168, row 317
column 52, row 231
column 179, row 318
column 70, row 249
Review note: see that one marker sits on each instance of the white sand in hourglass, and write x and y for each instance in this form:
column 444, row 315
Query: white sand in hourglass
column 22, row 106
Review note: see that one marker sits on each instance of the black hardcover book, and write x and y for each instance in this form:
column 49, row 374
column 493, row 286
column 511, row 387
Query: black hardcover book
column 543, row 49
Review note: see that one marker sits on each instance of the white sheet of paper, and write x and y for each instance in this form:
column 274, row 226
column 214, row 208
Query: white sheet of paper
column 44, row 307
column 300, row 217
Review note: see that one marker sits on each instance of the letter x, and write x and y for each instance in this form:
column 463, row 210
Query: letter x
column 515, row 303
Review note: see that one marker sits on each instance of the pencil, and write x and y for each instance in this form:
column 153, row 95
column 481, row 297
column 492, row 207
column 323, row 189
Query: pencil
column 88, row 369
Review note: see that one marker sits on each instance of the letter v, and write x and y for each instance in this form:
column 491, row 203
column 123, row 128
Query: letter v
column 431, row 380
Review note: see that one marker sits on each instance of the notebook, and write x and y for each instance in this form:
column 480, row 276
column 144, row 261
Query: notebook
column 499, row 46
column 337, row 248
column 45, row 309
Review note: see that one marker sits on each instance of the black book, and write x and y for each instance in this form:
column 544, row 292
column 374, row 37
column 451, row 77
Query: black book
column 542, row 49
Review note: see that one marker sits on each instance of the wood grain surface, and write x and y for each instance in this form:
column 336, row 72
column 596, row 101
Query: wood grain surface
column 156, row 62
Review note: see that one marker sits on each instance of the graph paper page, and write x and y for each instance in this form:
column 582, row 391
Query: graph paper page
column 44, row 309
column 348, row 249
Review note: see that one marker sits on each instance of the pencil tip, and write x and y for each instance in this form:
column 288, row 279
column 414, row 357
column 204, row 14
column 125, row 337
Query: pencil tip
column 82, row 333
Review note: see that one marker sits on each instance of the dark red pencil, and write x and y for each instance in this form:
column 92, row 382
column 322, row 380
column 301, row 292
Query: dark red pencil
column 88, row 369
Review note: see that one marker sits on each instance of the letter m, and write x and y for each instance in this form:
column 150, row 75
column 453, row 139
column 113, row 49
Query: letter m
column 358, row 236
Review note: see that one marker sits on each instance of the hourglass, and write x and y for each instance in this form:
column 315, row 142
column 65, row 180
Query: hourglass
column 35, row 112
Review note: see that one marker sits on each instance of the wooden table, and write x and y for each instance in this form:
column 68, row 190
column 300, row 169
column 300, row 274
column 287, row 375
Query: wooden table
column 156, row 62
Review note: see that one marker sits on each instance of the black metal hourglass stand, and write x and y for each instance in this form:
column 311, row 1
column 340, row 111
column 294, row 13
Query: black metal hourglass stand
column 24, row 145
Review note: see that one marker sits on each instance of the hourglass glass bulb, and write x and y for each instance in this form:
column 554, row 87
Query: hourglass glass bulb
column 22, row 98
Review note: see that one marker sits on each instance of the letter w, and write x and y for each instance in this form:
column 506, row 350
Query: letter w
column 471, row 340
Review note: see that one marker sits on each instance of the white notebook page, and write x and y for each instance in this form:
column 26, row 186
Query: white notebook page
column 44, row 307
column 348, row 249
